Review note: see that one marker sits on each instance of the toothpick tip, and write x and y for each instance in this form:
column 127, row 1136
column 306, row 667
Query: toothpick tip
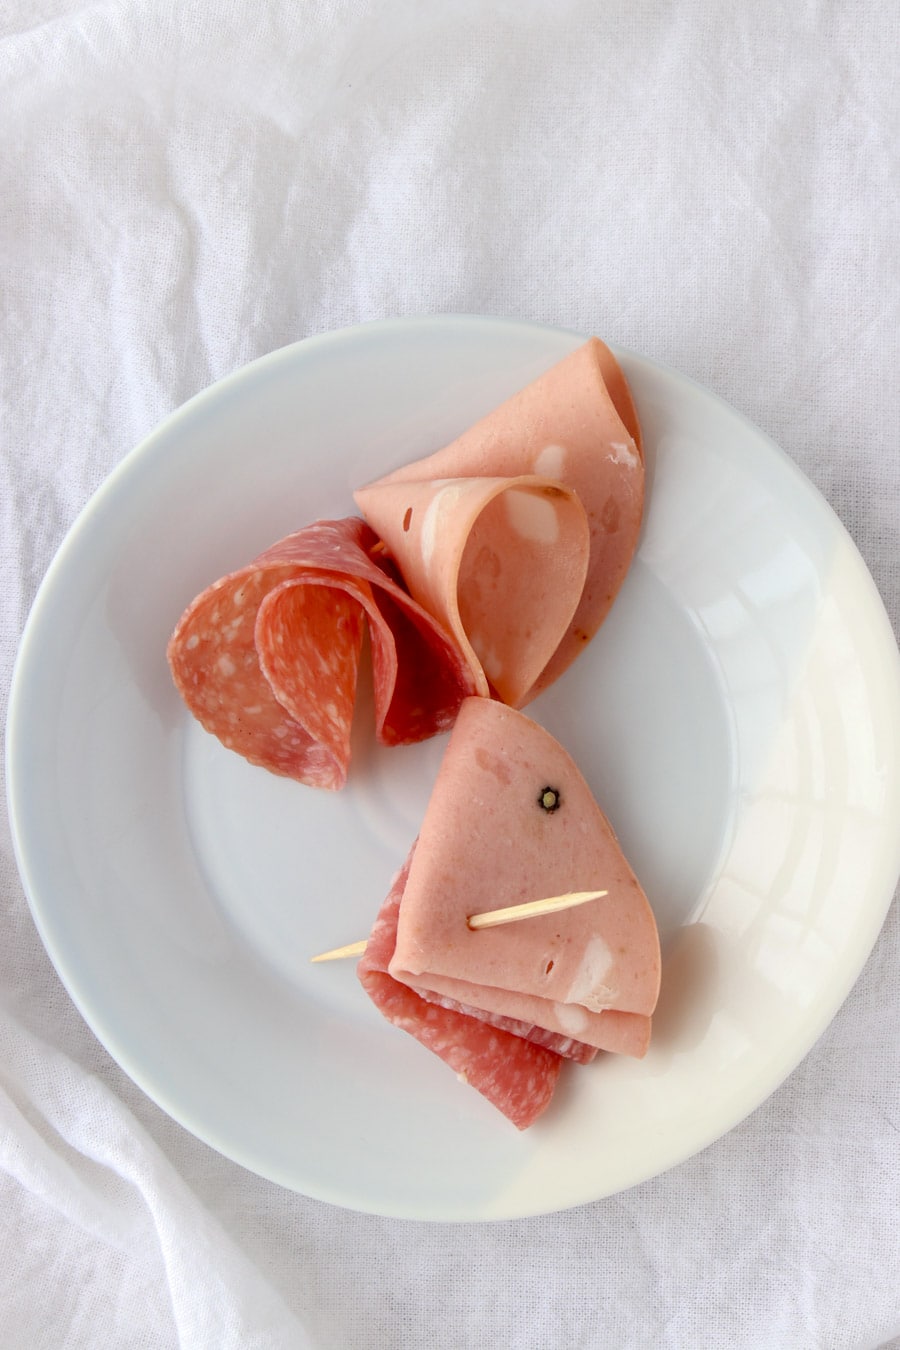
column 338, row 953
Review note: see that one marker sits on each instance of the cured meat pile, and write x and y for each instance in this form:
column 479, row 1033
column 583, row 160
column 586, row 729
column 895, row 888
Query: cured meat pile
column 480, row 572
column 504, row 1006
column 482, row 569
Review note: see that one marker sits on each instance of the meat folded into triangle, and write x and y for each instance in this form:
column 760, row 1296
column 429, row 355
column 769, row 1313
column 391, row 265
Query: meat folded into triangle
column 516, row 1074
column 510, row 820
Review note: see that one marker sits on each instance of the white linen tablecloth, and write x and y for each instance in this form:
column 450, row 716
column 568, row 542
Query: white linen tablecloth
column 185, row 187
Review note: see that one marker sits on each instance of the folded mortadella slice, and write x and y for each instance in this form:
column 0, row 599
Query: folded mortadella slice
column 621, row 1033
column 511, row 819
column 566, row 1046
column 267, row 658
column 500, row 562
column 576, row 425
column 515, row 1075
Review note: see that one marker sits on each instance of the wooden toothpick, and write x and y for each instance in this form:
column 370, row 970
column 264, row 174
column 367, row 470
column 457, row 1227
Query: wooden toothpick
column 532, row 909
column 491, row 918
column 352, row 949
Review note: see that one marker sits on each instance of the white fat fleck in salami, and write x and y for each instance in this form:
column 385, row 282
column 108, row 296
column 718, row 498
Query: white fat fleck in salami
column 488, row 841
column 575, row 425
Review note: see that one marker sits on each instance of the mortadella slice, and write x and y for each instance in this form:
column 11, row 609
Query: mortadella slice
column 499, row 562
column 267, row 658
column 621, row 1033
column 576, row 425
column 565, row 1046
column 515, row 1075
column 511, row 819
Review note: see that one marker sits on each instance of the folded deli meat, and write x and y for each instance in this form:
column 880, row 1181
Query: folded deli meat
column 500, row 562
column 267, row 658
column 479, row 573
column 511, row 819
column 515, row 1074
column 483, row 569
column 576, row 426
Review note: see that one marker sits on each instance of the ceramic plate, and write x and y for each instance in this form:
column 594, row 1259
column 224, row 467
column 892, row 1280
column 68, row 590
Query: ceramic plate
column 738, row 717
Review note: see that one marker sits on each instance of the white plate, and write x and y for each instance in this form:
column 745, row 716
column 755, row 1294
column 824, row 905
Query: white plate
column 738, row 717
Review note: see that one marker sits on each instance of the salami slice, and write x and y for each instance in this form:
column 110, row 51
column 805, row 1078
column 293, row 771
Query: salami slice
column 577, row 426
column 515, row 1075
column 511, row 819
column 267, row 658
column 500, row 562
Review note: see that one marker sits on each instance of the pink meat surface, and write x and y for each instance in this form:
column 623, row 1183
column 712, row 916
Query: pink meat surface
column 621, row 1033
column 515, row 1075
column 591, row 973
column 267, row 658
column 500, row 562
column 577, row 426
column 560, row 1045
